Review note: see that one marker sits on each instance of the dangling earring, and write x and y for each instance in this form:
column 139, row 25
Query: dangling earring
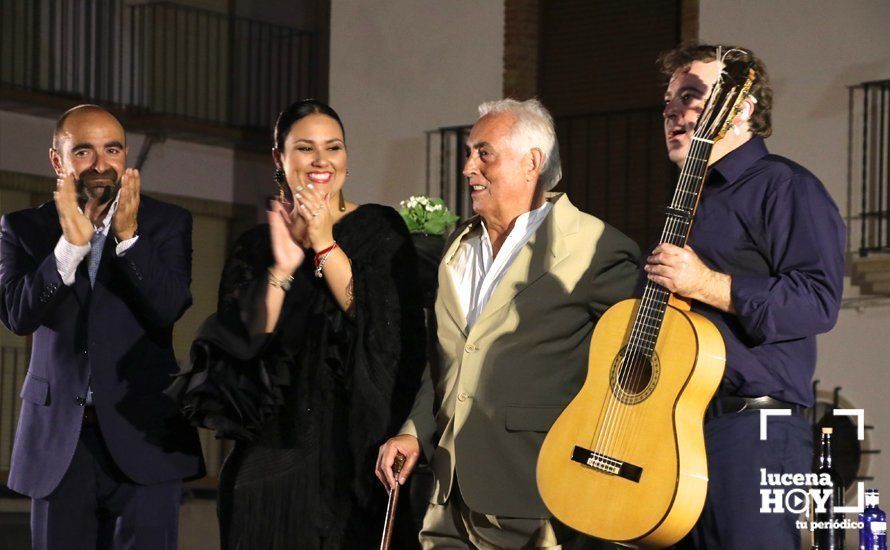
column 281, row 182
column 342, row 205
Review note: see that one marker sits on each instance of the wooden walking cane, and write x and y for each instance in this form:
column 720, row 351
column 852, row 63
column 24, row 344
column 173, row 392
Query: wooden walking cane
column 391, row 503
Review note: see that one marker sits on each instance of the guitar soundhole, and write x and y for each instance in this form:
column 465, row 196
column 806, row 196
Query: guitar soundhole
column 633, row 377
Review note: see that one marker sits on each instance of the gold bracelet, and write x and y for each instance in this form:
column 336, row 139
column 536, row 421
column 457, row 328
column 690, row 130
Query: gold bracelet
column 283, row 284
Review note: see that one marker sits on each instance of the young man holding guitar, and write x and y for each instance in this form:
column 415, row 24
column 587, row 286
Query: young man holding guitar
column 764, row 263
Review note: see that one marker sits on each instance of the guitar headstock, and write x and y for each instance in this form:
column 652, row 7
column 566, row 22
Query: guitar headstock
column 725, row 100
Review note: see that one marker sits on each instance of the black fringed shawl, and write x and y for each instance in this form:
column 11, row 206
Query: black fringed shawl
column 317, row 397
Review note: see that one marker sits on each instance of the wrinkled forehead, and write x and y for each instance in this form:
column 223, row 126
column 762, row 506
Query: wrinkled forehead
column 493, row 128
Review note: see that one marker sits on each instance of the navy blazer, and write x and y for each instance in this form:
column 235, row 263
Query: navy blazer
column 116, row 338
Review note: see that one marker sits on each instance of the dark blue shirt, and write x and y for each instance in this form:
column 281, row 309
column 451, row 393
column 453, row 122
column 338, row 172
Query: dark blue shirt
column 771, row 225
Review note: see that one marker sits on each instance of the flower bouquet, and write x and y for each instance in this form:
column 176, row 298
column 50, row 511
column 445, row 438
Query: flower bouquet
column 426, row 215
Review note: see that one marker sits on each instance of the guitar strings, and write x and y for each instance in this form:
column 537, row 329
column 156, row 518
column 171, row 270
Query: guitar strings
column 652, row 313
column 640, row 348
column 675, row 232
column 627, row 366
column 631, row 368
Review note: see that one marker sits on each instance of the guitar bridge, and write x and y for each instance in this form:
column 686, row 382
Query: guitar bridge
column 607, row 464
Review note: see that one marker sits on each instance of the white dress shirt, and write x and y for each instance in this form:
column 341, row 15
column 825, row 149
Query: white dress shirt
column 69, row 256
column 476, row 271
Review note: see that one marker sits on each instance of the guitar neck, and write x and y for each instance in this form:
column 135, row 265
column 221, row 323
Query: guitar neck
column 680, row 213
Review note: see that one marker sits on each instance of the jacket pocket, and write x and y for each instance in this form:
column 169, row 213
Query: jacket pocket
column 534, row 418
column 35, row 390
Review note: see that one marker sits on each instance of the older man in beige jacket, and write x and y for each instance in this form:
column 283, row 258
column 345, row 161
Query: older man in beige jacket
column 521, row 286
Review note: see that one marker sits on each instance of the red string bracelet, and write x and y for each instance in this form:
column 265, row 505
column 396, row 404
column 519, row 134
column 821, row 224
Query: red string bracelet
column 322, row 253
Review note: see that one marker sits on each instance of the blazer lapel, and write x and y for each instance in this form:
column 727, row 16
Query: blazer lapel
column 447, row 291
column 541, row 253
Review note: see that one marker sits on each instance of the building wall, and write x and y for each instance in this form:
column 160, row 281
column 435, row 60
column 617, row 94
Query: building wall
column 401, row 67
column 814, row 50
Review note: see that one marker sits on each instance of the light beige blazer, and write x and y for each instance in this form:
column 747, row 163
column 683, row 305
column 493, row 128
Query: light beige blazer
column 486, row 404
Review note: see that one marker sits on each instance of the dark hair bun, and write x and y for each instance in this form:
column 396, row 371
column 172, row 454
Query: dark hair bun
column 299, row 110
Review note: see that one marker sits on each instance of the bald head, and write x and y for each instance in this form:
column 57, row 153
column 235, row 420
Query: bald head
column 87, row 113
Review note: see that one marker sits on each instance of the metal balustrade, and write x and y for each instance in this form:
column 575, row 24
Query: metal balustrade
column 868, row 167
column 156, row 59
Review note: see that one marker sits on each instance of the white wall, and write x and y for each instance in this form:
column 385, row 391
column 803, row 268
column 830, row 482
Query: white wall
column 400, row 67
column 814, row 49
column 175, row 167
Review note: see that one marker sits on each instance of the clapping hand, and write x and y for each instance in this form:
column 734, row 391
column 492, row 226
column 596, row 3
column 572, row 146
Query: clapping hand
column 123, row 222
column 76, row 227
column 289, row 255
column 315, row 209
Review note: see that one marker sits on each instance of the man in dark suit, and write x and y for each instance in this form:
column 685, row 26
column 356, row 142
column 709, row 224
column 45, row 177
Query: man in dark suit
column 99, row 276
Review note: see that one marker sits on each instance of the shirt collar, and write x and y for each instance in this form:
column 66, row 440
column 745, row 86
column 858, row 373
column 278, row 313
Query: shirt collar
column 523, row 221
column 732, row 166
column 106, row 221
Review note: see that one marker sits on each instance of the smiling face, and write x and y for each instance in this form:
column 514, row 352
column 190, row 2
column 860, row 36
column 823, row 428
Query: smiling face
column 91, row 145
column 314, row 152
column 496, row 173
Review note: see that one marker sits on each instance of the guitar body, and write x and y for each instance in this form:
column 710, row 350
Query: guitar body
column 648, row 427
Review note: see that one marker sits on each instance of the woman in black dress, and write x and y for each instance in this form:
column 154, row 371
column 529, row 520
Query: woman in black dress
column 314, row 354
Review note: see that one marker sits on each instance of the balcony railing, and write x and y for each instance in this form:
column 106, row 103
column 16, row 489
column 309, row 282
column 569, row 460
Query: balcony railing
column 157, row 59
column 614, row 167
column 868, row 166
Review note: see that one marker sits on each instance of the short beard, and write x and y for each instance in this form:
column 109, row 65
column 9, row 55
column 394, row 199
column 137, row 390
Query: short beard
column 108, row 191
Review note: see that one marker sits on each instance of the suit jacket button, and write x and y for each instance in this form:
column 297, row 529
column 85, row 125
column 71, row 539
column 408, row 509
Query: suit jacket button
column 84, row 352
column 470, row 348
column 462, row 396
column 80, row 400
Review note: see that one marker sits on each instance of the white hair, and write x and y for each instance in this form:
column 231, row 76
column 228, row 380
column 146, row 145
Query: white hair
column 532, row 128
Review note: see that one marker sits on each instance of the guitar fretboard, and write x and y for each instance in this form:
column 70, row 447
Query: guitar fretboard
column 647, row 323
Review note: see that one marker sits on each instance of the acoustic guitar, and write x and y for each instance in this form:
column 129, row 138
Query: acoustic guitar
column 625, row 461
